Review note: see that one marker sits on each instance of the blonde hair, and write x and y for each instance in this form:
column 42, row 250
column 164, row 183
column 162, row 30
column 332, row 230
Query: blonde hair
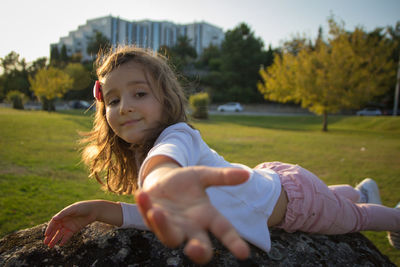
column 109, row 157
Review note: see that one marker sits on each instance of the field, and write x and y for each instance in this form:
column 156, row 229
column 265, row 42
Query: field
column 40, row 169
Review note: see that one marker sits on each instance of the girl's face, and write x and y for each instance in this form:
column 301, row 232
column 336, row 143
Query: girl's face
column 131, row 107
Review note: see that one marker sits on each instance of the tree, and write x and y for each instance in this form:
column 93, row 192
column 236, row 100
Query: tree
column 210, row 58
column 64, row 56
column 181, row 55
column 241, row 57
column 10, row 62
column 14, row 76
column 37, row 65
column 184, row 50
column 394, row 36
column 96, row 43
column 49, row 84
column 345, row 73
column 55, row 58
column 79, row 75
column 295, row 45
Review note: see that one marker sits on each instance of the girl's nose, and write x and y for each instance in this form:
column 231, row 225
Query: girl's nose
column 126, row 106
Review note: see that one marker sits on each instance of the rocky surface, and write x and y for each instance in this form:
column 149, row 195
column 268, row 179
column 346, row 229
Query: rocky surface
column 103, row 245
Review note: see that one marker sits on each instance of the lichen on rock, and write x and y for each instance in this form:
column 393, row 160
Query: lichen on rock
column 104, row 245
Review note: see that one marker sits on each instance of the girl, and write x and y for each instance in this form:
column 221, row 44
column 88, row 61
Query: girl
column 141, row 143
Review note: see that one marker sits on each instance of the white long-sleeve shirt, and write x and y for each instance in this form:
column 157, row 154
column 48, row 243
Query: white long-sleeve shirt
column 247, row 206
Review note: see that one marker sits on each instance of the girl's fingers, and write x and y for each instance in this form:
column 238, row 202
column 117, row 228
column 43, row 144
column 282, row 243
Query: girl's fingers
column 158, row 222
column 50, row 228
column 169, row 234
column 226, row 233
column 54, row 223
column 55, row 239
column 222, row 176
column 67, row 234
column 144, row 205
column 63, row 234
column 199, row 248
column 47, row 239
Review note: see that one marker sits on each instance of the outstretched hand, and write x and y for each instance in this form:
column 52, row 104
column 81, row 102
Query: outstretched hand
column 177, row 209
column 69, row 221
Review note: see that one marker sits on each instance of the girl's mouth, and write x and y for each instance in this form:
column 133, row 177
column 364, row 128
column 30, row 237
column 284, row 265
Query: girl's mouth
column 130, row 122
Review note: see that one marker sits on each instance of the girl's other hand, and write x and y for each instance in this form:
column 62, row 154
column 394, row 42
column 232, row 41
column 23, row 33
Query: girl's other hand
column 68, row 221
column 177, row 208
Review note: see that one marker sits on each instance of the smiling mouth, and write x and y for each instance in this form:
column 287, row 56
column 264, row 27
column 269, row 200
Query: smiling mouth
column 130, row 122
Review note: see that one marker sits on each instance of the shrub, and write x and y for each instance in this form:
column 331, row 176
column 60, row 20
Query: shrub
column 199, row 104
column 16, row 98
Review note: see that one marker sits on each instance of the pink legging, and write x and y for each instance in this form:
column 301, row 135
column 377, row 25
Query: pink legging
column 316, row 208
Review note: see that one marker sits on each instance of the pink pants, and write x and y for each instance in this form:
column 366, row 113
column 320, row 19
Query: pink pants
column 314, row 207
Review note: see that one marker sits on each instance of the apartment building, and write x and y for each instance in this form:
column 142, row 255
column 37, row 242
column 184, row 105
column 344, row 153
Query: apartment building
column 146, row 33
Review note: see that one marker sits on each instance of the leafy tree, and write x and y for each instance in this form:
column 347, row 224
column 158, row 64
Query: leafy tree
column 210, row 59
column 10, row 62
column 14, row 75
column 184, row 50
column 37, row 65
column 269, row 57
column 96, row 43
column 181, row 55
column 55, row 58
column 64, row 55
column 79, row 75
column 242, row 55
column 295, row 45
column 392, row 34
column 49, row 84
column 345, row 73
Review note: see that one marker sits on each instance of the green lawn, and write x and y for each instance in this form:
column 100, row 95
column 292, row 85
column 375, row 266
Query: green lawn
column 40, row 169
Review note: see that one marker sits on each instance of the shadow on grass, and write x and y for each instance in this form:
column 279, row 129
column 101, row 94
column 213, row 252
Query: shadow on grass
column 336, row 123
column 289, row 123
column 80, row 117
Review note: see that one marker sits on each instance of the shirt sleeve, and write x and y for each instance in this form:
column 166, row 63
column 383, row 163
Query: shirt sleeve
column 132, row 217
column 182, row 145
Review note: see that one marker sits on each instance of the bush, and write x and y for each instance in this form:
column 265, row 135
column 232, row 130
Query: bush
column 199, row 104
column 16, row 98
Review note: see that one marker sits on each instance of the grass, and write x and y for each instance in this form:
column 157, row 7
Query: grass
column 40, row 171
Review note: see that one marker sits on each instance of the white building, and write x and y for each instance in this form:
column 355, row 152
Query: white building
column 149, row 34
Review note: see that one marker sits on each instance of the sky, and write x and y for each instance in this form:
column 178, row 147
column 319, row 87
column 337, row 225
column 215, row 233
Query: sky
column 28, row 27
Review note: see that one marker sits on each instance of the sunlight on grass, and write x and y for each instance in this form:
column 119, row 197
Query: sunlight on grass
column 41, row 173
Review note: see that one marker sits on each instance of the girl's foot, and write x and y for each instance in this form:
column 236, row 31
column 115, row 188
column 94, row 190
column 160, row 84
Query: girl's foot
column 369, row 192
column 394, row 237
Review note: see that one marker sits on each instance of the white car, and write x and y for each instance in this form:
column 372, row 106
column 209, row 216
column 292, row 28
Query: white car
column 369, row 112
column 232, row 106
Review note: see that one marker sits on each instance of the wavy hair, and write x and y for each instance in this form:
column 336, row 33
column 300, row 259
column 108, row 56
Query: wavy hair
column 111, row 160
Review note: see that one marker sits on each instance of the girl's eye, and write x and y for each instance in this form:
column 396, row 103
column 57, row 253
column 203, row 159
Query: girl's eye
column 113, row 102
column 140, row 94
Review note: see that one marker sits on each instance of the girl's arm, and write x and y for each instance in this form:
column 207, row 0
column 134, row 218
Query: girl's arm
column 76, row 216
column 175, row 206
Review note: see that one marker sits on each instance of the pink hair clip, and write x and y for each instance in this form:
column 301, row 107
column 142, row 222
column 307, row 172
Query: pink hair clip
column 97, row 91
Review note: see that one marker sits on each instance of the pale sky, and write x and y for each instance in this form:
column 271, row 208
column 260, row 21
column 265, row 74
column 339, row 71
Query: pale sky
column 28, row 27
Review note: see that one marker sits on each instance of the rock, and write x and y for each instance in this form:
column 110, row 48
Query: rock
column 103, row 245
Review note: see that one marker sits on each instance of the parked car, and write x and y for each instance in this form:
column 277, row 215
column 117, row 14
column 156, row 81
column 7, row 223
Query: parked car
column 369, row 112
column 232, row 106
column 79, row 104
